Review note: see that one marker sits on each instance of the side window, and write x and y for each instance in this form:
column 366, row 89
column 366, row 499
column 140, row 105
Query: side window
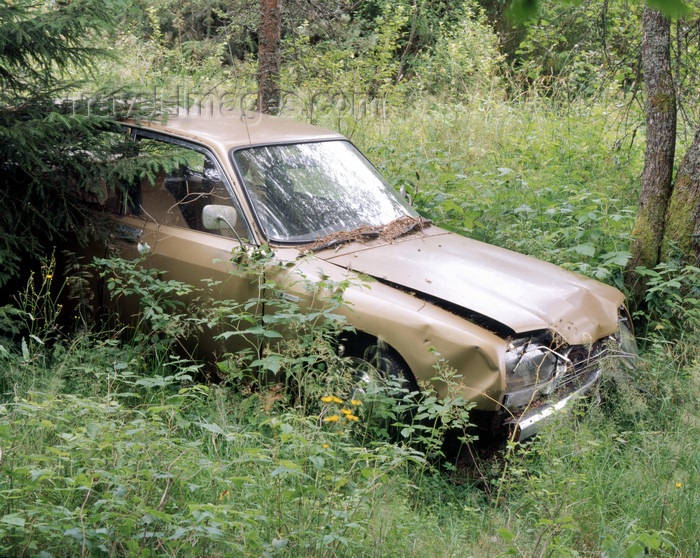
column 187, row 191
column 103, row 192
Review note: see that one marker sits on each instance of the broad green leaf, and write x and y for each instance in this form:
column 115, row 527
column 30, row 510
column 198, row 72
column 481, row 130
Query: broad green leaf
column 586, row 249
column 12, row 519
column 92, row 430
column 449, row 205
column 506, row 535
column 317, row 461
column 215, row 428
column 672, row 9
column 279, row 544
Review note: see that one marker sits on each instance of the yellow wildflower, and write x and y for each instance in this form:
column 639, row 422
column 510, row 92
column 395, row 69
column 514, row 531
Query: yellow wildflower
column 678, row 485
column 334, row 418
column 355, row 402
column 49, row 276
column 346, row 411
column 326, row 446
column 352, row 417
column 327, row 399
column 336, row 399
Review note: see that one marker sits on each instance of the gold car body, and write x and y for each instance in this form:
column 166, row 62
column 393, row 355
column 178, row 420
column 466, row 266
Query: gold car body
column 430, row 294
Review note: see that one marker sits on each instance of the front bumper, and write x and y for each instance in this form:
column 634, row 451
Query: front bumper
column 531, row 422
column 584, row 365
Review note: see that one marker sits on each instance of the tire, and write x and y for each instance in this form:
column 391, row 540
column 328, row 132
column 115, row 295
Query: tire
column 377, row 363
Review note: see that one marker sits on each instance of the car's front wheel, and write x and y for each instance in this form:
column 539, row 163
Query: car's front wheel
column 377, row 366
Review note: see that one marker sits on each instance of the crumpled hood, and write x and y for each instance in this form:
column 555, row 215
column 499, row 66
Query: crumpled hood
column 518, row 291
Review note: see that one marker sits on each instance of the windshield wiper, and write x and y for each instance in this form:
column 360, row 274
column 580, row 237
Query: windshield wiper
column 397, row 227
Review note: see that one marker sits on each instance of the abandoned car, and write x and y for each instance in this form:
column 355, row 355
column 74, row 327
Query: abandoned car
column 525, row 336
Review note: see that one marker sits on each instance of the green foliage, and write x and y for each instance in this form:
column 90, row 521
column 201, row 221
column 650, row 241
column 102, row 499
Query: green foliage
column 293, row 341
column 672, row 299
column 34, row 39
column 122, row 453
column 57, row 158
column 167, row 44
column 616, row 480
column 162, row 318
column 464, row 57
column 33, row 43
column 333, row 72
column 567, row 49
column 110, row 449
column 184, row 473
column 114, row 447
column 37, row 305
column 431, row 27
column 524, row 10
column 580, row 48
column 672, row 9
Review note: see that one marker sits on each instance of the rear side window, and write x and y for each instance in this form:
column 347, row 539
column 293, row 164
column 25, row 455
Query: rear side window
column 105, row 190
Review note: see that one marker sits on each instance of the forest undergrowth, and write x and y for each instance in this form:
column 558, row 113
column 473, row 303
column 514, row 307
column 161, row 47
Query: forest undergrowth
column 113, row 442
column 121, row 448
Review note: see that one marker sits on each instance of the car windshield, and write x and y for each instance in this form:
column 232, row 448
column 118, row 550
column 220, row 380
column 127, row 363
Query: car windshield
column 301, row 192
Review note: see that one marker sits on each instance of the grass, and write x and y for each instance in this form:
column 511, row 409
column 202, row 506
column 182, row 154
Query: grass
column 105, row 454
column 110, row 464
column 623, row 472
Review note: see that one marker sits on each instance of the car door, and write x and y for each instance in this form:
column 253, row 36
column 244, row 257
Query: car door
column 168, row 220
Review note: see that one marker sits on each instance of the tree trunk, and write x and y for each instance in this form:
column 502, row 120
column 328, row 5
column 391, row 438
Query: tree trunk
column 269, row 96
column 683, row 215
column 657, row 176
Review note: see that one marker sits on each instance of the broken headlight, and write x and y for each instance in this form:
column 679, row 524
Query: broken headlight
column 530, row 366
column 535, row 368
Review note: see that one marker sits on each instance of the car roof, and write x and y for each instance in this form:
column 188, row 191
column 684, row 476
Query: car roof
column 235, row 128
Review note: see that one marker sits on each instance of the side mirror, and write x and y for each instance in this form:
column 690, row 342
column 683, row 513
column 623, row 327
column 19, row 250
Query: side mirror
column 219, row 217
